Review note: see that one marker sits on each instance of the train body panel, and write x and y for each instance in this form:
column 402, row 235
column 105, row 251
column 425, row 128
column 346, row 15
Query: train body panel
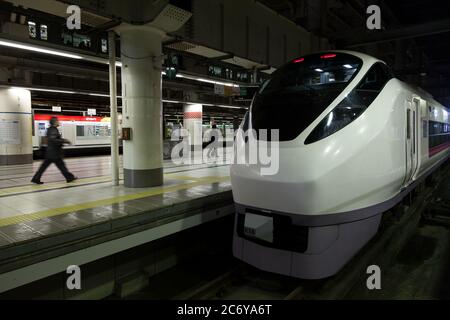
column 327, row 191
column 332, row 166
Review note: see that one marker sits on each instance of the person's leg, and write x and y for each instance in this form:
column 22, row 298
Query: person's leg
column 214, row 150
column 62, row 167
column 37, row 177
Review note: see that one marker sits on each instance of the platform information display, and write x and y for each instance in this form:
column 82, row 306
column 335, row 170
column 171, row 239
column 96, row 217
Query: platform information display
column 9, row 132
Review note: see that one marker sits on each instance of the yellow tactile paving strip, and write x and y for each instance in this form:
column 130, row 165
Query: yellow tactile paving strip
column 62, row 184
column 114, row 200
column 52, row 186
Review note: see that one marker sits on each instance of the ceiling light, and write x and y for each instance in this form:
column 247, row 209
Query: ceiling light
column 318, row 70
column 37, row 49
column 228, row 84
column 120, row 97
column 45, row 90
column 40, row 49
column 99, row 95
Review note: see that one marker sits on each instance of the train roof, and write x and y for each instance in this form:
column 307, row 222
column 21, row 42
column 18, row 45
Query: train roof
column 418, row 90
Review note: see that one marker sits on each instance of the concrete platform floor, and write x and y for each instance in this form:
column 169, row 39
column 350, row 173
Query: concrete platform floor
column 30, row 211
column 82, row 167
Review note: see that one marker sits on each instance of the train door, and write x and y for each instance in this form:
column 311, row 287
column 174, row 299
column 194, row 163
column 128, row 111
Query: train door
column 412, row 152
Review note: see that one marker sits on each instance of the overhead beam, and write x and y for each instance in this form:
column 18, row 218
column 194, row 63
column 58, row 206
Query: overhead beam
column 356, row 12
column 103, row 27
column 445, row 61
column 262, row 68
column 56, row 8
column 223, row 57
column 176, row 39
column 367, row 37
column 335, row 17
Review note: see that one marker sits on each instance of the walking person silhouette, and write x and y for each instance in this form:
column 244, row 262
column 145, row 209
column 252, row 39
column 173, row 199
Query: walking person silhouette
column 54, row 153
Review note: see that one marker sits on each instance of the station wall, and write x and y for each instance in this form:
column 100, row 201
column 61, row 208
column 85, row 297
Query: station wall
column 15, row 126
column 248, row 29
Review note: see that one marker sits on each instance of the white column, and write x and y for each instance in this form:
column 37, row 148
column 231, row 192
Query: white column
column 113, row 103
column 16, row 145
column 141, row 55
column 193, row 121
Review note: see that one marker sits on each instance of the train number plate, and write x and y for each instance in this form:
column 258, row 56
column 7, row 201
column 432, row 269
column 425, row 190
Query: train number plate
column 258, row 227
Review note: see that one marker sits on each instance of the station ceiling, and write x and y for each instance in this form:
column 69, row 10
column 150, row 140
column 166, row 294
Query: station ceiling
column 414, row 40
column 415, row 35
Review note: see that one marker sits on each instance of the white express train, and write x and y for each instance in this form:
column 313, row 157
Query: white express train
column 354, row 140
column 84, row 132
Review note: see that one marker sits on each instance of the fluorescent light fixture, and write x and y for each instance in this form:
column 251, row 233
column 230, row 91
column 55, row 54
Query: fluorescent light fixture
column 348, row 66
column 99, row 95
column 118, row 63
column 230, row 107
column 228, row 84
column 45, row 90
column 171, row 101
column 318, row 70
column 106, row 96
column 37, row 49
column 204, row 104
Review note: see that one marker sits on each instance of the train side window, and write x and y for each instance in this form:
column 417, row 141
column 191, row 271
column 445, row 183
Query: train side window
column 424, row 128
column 245, row 122
column 375, row 79
column 80, row 131
column 408, row 124
column 414, row 133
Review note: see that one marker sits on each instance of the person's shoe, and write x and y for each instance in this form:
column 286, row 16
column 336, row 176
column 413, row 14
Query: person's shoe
column 72, row 179
column 37, row 181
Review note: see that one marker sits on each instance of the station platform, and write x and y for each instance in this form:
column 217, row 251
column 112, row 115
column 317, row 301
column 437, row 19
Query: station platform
column 45, row 228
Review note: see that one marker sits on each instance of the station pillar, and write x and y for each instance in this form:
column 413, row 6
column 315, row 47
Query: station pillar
column 193, row 121
column 141, row 56
column 16, row 146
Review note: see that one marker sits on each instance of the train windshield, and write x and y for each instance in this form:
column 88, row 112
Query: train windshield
column 300, row 91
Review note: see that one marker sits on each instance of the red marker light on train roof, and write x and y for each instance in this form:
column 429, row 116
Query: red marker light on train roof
column 328, row 56
column 298, row 60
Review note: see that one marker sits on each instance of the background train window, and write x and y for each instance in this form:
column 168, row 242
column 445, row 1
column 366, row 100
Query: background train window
column 438, row 133
column 300, row 91
column 93, row 131
column 352, row 106
column 80, row 131
column 42, row 129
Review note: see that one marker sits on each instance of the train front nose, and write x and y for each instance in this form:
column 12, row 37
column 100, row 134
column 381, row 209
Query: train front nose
column 285, row 221
column 287, row 181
